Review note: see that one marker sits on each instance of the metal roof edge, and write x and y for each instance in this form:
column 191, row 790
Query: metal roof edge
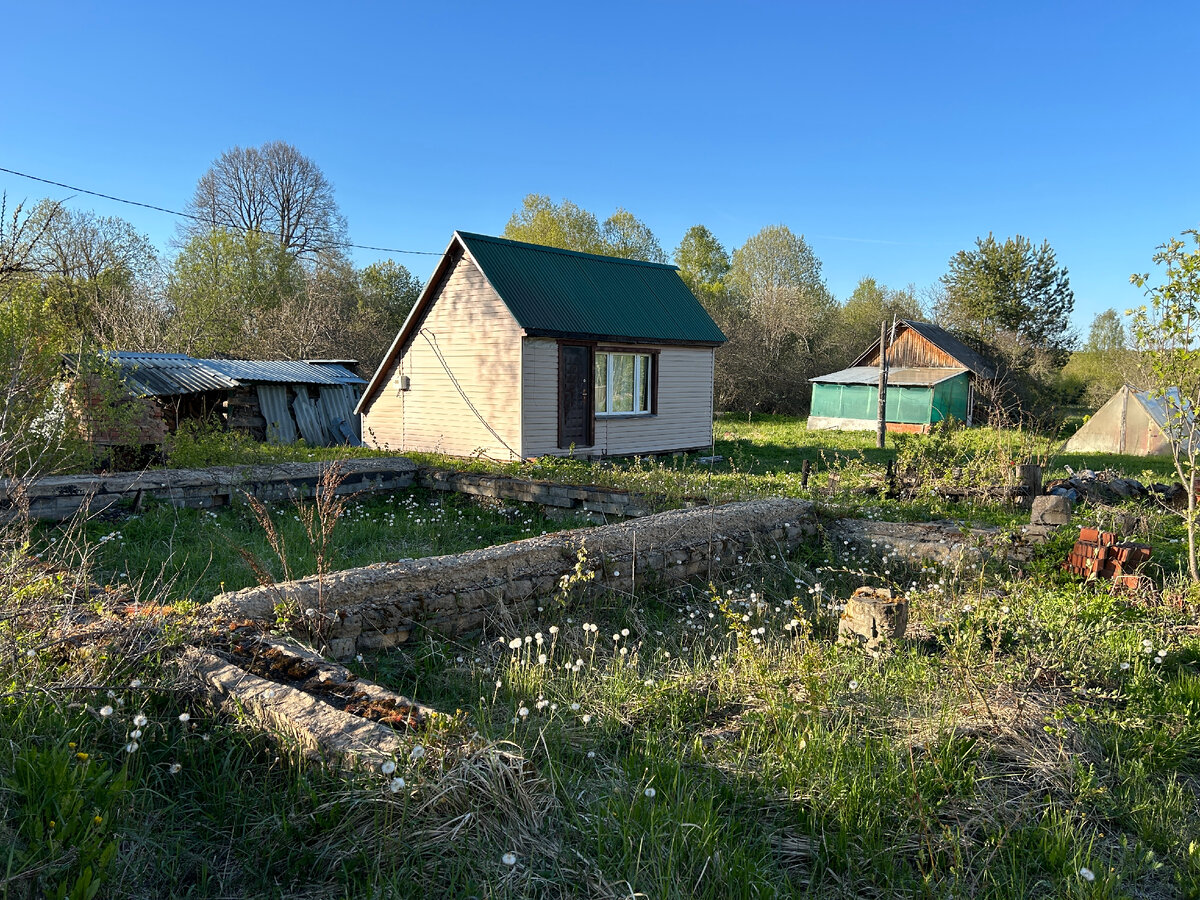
column 620, row 260
column 618, row 339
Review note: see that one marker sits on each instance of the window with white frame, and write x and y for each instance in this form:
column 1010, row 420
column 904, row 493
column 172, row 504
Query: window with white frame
column 623, row 384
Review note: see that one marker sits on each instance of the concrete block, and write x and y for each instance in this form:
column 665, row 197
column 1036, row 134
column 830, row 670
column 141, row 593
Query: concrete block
column 1050, row 509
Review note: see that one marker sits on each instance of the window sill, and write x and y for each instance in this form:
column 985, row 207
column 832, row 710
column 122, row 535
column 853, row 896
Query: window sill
column 626, row 415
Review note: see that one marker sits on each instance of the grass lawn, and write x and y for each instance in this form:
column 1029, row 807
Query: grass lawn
column 168, row 554
column 1034, row 737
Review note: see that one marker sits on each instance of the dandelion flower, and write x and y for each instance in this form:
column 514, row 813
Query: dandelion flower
column 139, row 720
column 574, row 707
column 523, row 711
column 136, row 683
column 854, row 685
column 650, row 792
column 514, row 644
column 175, row 768
column 82, row 757
column 591, row 754
column 106, row 711
column 416, row 753
column 509, row 859
column 136, row 733
column 1087, row 874
column 396, row 784
column 185, row 718
column 554, row 629
column 624, row 632
column 131, row 747
column 388, row 767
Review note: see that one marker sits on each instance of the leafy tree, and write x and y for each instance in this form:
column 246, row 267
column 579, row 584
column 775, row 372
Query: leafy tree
column 1167, row 332
column 222, row 290
column 703, row 264
column 1105, row 362
column 1107, row 334
column 100, row 275
column 780, row 310
column 270, row 190
column 626, row 236
column 541, row 221
column 859, row 317
column 1014, row 287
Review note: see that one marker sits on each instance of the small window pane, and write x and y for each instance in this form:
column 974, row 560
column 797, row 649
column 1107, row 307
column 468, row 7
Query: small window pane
column 622, row 392
column 601, row 383
column 643, row 404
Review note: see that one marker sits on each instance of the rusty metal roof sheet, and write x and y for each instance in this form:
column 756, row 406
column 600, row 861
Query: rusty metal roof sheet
column 903, row 376
column 172, row 374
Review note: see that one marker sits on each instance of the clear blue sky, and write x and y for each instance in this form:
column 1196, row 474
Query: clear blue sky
column 890, row 134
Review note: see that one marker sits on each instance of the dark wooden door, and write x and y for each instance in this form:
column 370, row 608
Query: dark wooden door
column 575, row 411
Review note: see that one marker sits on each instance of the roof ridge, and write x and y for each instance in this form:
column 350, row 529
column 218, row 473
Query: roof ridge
column 546, row 248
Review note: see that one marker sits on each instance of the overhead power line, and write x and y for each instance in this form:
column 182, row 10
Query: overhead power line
column 184, row 215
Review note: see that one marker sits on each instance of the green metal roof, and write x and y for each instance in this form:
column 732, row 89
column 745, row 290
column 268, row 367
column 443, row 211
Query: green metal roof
column 565, row 294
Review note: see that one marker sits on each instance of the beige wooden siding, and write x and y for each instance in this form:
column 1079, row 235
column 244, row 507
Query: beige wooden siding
column 480, row 344
column 685, row 413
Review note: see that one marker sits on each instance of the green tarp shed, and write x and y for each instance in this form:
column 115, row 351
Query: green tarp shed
column 849, row 399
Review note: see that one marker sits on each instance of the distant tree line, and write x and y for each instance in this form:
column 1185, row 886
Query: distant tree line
column 259, row 270
column 1009, row 299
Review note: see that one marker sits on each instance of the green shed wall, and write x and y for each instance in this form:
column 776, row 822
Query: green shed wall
column 905, row 404
column 950, row 399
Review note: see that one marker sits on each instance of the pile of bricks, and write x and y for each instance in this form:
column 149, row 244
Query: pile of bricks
column 1098, row 554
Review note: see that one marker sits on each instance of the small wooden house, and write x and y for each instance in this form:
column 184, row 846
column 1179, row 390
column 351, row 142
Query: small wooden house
column 516, row 350
column 275, row 400
column 932, row 376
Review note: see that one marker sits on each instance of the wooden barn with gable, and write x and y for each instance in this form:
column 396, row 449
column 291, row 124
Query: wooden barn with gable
column 516, row 350
column 932, row 376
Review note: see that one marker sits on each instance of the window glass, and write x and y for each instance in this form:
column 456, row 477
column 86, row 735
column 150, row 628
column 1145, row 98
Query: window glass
column 601, row 385
column 643, row 399
column 622, row 382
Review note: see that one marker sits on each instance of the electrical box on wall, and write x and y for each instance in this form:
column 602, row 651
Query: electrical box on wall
column 404, row 383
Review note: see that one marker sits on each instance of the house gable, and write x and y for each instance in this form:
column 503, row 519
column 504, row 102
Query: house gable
column 922, row 345
column 451, row 381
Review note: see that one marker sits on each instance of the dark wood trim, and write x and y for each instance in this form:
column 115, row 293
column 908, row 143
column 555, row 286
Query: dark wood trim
column 589, row 392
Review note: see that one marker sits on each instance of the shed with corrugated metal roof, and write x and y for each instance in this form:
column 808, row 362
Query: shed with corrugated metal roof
column 521, row 350
column 932, row 377
column 276, row 400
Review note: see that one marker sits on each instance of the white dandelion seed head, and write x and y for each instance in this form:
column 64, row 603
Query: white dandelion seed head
column 136, row 683
column 650, row 792
column 854, row 685
column 185, row 717
column 514, row 644
column 509, row 859
column 175, row 768
column 140, row 720
column 396, row 784
column 417, row 752
column 106, row 711
column 1087, row 874
column 131, row 747
column 523, row 711
column 388, row 767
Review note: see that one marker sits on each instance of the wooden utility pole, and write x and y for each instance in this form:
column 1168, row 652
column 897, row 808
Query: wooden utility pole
column 881, row 420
